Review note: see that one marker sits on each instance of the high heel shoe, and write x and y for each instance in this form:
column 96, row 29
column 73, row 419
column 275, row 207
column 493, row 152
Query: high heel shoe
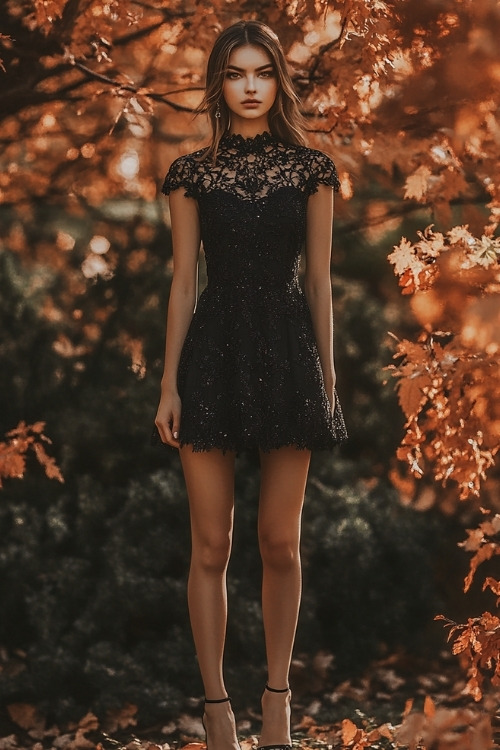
column 275, row 747
column 227, row 699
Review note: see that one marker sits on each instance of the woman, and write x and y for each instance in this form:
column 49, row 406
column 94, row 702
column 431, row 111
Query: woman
column 253, row 366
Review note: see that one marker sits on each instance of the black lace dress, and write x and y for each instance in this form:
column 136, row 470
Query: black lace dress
column 249, row 373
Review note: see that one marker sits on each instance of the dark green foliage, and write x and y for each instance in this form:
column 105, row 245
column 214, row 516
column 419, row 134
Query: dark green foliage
column 369, row 565
column 362, row 352
column 102, row 622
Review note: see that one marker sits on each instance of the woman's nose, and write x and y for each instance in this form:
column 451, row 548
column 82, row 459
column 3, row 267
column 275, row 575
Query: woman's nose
column 250, row 83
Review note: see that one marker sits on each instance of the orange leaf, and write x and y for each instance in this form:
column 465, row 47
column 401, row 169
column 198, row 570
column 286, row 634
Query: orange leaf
column 350, row 731
column 429, row 707
column 493, row 584
column 416, row 185
column 48, row 462
column 12, row 464
column 407, row 282
column 486, row 552
column 121, row 718
column 409, row 703
column 410, row 392
column 26, row 716
column 386, row 731
column 87, row 723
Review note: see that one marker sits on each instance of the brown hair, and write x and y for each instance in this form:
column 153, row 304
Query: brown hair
column 285, row 120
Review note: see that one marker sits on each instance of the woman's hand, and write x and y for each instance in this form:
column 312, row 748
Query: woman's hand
column 332, row 397
column 331, row 393
column 168, row 418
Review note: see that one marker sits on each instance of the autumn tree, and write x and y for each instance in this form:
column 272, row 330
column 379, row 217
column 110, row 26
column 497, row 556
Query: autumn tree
column 19, row 443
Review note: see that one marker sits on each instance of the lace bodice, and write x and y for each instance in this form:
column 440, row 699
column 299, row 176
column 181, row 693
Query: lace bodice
column 252, row 168
column 252, row 205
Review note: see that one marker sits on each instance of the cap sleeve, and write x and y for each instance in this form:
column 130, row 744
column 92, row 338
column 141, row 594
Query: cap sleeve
column 181, row 175
column 322, row 171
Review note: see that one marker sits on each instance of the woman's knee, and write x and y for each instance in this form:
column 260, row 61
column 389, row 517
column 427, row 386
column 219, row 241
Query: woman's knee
column 212, row 553
column 279, row 551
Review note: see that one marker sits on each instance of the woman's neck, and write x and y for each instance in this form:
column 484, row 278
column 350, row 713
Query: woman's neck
column 248, row 128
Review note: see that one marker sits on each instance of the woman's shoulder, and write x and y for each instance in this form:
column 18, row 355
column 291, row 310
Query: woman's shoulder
column 183, row 172
column 319, row 166
column 191, row 158
column 310, row 154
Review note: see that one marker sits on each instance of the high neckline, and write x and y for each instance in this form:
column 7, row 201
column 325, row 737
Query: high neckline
column 252, row 143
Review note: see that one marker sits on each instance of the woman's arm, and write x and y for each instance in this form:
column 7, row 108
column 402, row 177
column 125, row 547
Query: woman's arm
column 186, row 247
column 317, row 284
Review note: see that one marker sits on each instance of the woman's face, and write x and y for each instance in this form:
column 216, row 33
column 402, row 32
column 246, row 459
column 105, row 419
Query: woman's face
column 250, row 84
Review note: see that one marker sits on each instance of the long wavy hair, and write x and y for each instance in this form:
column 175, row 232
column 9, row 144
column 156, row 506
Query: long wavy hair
column 285, row 120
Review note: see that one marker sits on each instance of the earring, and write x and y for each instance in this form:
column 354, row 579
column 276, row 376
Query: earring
column 217, row 111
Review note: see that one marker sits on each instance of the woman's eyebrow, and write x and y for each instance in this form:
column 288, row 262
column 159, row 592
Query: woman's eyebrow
column 242, row 70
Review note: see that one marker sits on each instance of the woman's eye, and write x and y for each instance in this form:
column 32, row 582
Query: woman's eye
column 234, row 75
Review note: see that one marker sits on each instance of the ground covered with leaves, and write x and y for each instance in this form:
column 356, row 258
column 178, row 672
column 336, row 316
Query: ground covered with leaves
column 398, row 703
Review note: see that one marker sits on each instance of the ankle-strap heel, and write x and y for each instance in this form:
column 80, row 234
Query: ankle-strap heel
column 275, row 747
column 227, row 699
column 275, row 690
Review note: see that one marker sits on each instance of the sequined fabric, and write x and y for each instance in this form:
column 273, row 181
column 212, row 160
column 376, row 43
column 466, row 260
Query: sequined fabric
column 249, row 373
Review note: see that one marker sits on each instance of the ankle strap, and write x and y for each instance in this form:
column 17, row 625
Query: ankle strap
column 218, row 700
column 274, row 690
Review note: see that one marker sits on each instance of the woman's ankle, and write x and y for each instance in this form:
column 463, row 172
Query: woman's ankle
column 276, row 712
column 276, row 690
column 210, row 701
column 220, row 726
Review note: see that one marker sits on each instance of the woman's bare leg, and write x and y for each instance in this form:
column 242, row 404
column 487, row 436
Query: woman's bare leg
column 283, row 482
column 209, row 477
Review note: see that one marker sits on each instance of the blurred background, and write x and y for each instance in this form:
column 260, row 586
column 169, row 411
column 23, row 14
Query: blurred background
column 96, row 101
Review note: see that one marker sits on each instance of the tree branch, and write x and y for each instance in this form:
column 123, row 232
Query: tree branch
column 67, row 20
column 399, row 210
column 138, row 34
column 326, row 48
column 167, row 15
column 132, row 89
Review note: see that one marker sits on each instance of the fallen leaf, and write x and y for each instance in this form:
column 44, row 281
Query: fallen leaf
column 429, row 707
column 26, row 716
column 9, row 742
column 121, row 718
column 350, row 731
